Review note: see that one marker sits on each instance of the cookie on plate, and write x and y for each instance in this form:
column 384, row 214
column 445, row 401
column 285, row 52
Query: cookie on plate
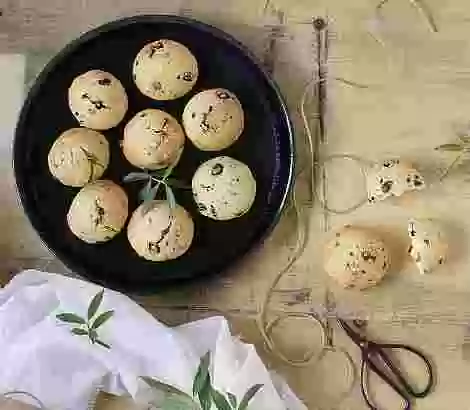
column 98, row 100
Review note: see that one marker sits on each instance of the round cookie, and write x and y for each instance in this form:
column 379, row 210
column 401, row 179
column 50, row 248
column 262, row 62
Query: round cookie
column 78, row 156
column 98, row 100
column 213, row 119
column 165, row 70
column 153, row 139
column 98, row 212
column 158, row 232
column 223, row 188
column 356, row 258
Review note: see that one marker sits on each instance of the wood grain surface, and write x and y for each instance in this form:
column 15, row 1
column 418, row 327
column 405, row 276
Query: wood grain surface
column 416, row 96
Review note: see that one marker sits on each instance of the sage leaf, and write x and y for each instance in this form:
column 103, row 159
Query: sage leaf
column 202, row 375
column 136, row 176
column 205, row 397
column 170, row 197
column 249, row 395
column 232, row 399
column 220, row 401
column 95, row 304
column 71, row 318
column 145, row 193
column 166, row 388
column 450, row 147
column 79, row 332
column 103, row 344
column 102, row 319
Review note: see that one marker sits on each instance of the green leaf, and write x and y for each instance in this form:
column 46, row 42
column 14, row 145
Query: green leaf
column 232, row 399
column 450, row 147
column 103, row 344
column 249, row 395
column 205, row 397
column 102, row 319
column 166, row 388
column 95, row 304
column 79, row 332
column 170, row 197
column 136, row 176
column 220, row 401
column 202, row 375
column 145, row 193
column 71, row 318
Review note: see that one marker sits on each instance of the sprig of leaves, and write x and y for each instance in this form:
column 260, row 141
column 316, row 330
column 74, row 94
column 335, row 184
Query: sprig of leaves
column 89, row 326
column 207, row 394
column 460, row 147
column 154, row 181
column 204, row 395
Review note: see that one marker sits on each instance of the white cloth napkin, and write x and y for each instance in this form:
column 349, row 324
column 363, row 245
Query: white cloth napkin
column 40, row 355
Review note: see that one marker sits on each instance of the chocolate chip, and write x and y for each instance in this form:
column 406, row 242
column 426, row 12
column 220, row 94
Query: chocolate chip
column 427, row 243
column 76, row 113
column 85, row 96
column 157, row 86
column 153, row 247
column 211, row 108
column 418, row 183
column 217, row 169
column 201, row 207
column 193, row 115
column 387, row 186
column 410, row 248
column 440, row 261
column 104, row 81
column 188, row 76
column 143, row 115
column 213, row 210
column 223, row 95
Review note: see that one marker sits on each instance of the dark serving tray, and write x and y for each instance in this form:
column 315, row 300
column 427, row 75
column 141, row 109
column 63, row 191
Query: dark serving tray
column 266, row 146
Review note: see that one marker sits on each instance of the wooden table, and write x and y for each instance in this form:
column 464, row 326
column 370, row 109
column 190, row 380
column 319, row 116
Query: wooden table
column 418, row 97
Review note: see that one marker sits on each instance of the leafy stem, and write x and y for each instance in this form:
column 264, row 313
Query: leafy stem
column 204, row 395
column 154, row 181
column 461, row 148
column 89, row 326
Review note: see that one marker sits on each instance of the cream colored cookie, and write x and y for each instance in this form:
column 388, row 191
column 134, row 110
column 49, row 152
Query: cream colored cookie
column 165, row 70
column 98, row 212
column 153, row 139
column 98, row 100
column 213, row 119
column 159, row 233
column 428, row 247
column 356, row 258
column 223, row 188
column 393, row 177
column 78, row 156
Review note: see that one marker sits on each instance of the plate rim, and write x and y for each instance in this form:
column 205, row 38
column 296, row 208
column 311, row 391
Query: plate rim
column 68, row 49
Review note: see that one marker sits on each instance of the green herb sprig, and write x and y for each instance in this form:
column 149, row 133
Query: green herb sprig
column 89, row 326
column 461, row 148
column 203, row 393
column 154, row 182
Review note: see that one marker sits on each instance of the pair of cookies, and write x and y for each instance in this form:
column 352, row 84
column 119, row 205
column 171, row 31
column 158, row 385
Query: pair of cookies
column 358, row 258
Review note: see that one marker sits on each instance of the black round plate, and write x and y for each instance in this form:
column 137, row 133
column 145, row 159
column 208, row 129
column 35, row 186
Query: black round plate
column 266, row 146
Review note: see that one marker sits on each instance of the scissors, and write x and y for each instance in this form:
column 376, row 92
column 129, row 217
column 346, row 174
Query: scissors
column 376, row 359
